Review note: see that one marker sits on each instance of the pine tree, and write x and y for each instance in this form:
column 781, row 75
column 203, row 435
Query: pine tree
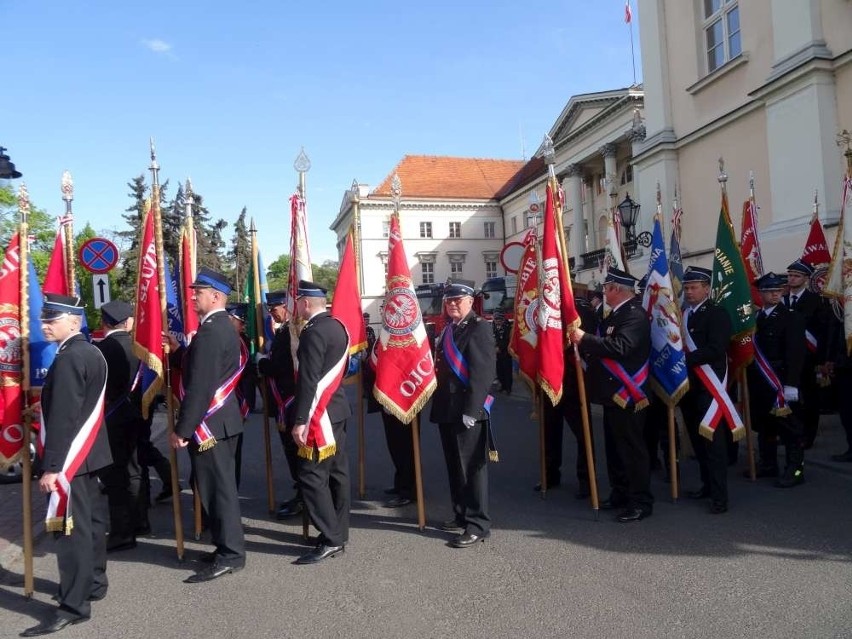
column 129, row 248
column 210, row 243
column 240, row 254
column 173, row 215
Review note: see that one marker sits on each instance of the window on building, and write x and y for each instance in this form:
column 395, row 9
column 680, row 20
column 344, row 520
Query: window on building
column 527, row 219
column 514, row 224
column 722, row 39
column 490, row 268
column 455, row 230
column 385, row 228
column 427, row 270
column 627, row 175
column 456, row 270
column 489, row 229
column 425, row 229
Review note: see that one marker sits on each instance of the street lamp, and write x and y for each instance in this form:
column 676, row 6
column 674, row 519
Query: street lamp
column 7, row 168
column 629, row 212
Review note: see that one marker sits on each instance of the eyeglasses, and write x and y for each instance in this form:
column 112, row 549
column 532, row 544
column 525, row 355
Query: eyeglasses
column 454, row 300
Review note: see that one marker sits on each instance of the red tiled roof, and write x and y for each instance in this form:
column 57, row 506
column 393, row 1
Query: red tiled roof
column 448, row 177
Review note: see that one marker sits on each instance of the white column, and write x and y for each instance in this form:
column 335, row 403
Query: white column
column 578, row 230
column 589, row 213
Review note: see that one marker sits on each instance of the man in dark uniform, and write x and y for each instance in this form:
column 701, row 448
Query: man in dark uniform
column 837, row 368
column 464, row 367
column 248, row 380
column 709, row 332
column 209, row 421
column 72, row 405
column 618, row 367
column 502, row 333
column 371, row 333
column 773, row 382
column 320, row 416
column 277, row 367
column 810, row 306
column 568, row 409
column 122, row 480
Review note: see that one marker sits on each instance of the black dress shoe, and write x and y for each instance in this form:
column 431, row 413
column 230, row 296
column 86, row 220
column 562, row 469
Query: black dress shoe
column 611, row 504
column 116, row 544
column 631, row 515
column 54, row 625
column 550, row 485
column 211, row 572
column 468, row 539
column 290, row 509
column 398, row 502
column 451, row 525
column 718, row 507
column 701, row 493
column 322, row 551
column 97, row 596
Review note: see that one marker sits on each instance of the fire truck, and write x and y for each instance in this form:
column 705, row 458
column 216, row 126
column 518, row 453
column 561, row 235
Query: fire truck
column 431, row 299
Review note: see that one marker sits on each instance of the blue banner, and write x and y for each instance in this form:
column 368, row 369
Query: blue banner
column 42, row 352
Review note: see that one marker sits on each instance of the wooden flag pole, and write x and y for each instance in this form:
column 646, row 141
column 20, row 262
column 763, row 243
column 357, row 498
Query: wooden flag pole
column 258, row 322
column 26, row 469
column 197, row 522
column 542, row 444
column 68, row 232
column 418, row 473
column 587, row 432
column 362, row 466
column 746, row 404
column 673, row 472
column 170, row 410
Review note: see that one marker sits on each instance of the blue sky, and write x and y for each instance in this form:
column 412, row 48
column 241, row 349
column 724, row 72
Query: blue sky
column 231, row 91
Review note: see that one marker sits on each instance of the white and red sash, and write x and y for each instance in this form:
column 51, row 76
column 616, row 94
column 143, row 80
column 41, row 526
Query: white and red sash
column 320, row 435
column 632, row 388
column 202, row 435
column 810, row 341
column 780, row 408
column 59, row 517
column 281, row 403
column 721, row 406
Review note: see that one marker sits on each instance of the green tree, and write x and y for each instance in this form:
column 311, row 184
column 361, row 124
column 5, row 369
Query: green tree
column 324, row 274
column 125, row 281
column 42, row 228
column 277, row 272
column 240, row 253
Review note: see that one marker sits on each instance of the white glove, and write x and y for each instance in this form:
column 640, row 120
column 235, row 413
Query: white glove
column 259, row 356
column 468, row 421
column 791, row 394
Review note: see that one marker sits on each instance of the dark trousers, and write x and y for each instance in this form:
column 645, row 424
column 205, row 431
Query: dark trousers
column 656, row 425
column 627, row 458
column 401, row 449
column 82, row 554
column 712, row 455
column 770, row 428
column 504, row 371
column 842, row 384
column 291, row 455
column 217, row 488
column 466, row 454
column 807, row 409
column 149, row 456
column 325, row 490
column 123, row 482
column 567, row 409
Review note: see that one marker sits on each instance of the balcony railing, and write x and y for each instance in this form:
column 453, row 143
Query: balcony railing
column 594, row 259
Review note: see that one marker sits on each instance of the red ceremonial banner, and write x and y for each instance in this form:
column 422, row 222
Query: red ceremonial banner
column 346, row 304
column 402, row 358
column 523, row 342
column 750, row 249
column 11, row 429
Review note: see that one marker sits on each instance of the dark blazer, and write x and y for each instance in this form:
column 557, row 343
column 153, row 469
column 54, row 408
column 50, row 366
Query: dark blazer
column 710, row 329
column 625, row 336
column 71, row 391
column 475, row 339
column 781, row 338
column 211, row 359
column 122, row 405
column 321, row 345
column 278, row 367
column 812, row 309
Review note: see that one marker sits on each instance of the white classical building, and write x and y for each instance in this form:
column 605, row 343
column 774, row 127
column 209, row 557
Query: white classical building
column 450, row 217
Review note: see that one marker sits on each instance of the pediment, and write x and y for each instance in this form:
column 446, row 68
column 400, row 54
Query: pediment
column 585, row 109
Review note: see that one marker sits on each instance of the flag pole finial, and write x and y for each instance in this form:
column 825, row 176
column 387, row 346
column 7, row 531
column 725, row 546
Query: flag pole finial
column 252, row 227
column 67, row 187
column 154, row 168
column 396, row 191
column 24, row 203
column 723, row 177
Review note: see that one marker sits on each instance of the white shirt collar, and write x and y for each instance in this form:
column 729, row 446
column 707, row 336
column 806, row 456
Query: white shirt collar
column 215, row 310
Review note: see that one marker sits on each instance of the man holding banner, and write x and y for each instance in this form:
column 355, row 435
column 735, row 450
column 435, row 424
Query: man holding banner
column 464, row 366
column 619, row 370
column 707, row 408
column 210, row 422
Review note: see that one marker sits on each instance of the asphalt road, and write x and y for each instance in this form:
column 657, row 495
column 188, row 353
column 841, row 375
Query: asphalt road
column 776, row 565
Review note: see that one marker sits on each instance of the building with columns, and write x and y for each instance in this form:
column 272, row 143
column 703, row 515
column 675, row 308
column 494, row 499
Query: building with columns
column 765, row 85
column 450, row 217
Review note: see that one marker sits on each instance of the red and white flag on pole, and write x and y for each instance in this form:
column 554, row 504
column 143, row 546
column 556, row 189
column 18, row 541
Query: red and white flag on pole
column 816, row 252
column 750, row 249
column 523, row 342
column 628, row 14
column 402, row 358
column 557, row 314
column 346, row 305
column 56, row 277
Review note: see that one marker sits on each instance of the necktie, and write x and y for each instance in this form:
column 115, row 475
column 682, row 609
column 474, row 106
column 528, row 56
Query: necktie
column 793, row 300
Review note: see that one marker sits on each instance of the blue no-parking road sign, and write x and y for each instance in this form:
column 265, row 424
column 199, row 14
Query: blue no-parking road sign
column 98, row 255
